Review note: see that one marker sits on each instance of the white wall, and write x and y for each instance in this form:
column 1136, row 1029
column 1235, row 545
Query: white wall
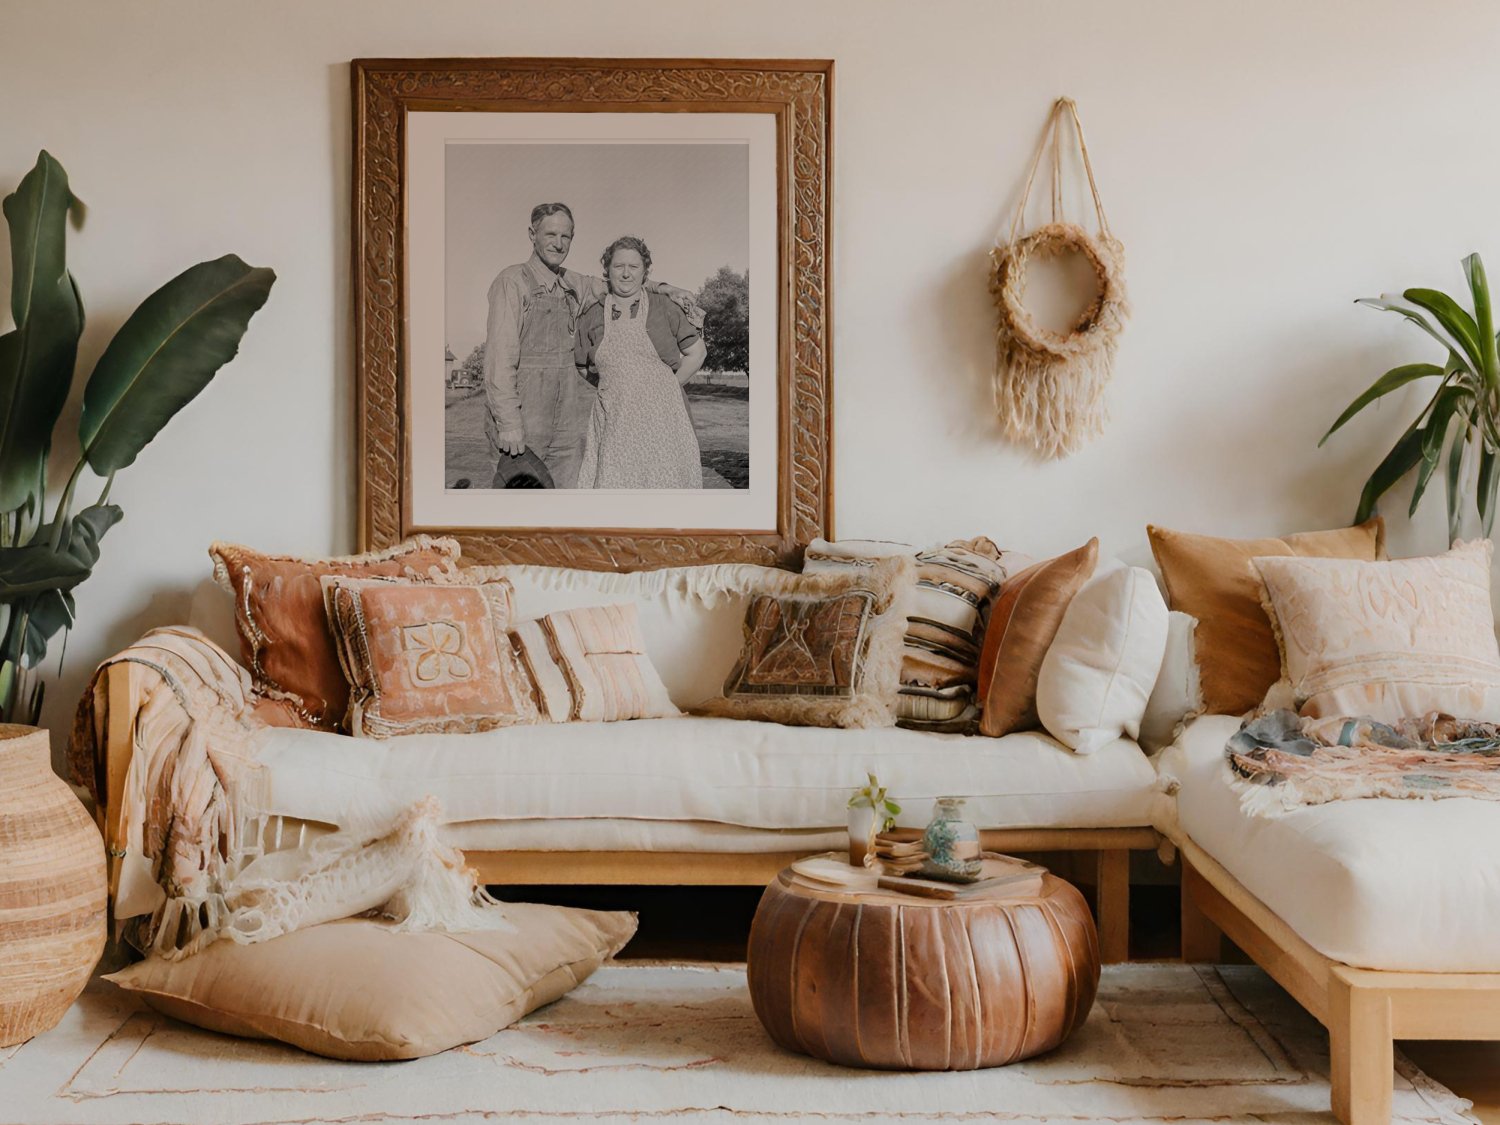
column 1264, row 164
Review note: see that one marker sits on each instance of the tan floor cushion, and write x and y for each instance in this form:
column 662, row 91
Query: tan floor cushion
column 358, row 990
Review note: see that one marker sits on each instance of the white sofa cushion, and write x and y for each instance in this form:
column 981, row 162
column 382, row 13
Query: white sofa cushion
column 1101, row 665
column 731, row 771
column 1377, row 883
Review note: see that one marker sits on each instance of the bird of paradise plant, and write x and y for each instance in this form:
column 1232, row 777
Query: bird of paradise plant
column 162, row 356
column 1457, row 427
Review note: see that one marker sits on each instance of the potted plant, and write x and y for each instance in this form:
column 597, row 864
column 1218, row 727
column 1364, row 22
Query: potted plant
column 871, row 811
column 1457, row 427
column 162, row 356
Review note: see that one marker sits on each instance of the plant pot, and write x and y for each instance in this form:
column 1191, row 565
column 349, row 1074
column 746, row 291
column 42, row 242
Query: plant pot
column 53, row 892
column 861, row 829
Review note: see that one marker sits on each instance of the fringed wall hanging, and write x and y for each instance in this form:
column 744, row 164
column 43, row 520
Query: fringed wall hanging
column 1049, row 386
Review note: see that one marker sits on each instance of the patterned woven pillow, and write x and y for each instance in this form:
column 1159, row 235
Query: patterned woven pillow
column 284, row 634
column 590, row 665
column 956, row 585
column 427, row 657
column 823, row 649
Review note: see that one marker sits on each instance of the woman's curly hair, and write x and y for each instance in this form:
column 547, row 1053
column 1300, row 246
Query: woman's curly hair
column 626, row 242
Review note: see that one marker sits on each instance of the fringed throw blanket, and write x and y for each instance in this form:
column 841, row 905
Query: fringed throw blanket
column 1281, row 761
column 191, row 840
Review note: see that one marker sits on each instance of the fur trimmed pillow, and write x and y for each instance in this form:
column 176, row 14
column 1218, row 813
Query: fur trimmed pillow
column 823, row 649
column 427, row 657
column 285, row 639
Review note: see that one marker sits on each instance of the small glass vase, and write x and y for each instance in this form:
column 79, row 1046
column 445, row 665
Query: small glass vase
column 951, row 843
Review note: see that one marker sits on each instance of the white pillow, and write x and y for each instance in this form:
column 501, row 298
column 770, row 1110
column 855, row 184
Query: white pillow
column 1098, row 674
column 1178, row 694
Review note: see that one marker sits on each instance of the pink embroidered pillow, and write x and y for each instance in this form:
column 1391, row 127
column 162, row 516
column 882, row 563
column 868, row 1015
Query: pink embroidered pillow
column 590, row 665
column 427, row 657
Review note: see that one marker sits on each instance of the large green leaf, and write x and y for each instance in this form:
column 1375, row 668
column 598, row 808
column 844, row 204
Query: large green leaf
column 1455, row 474
column 164, row 355
column 35, row 568
column 1488, row 480
column 1402, row 458
column 37, row 356
column 1448, row 402
column 1454, row 318
column 1393, row 379
column 1484, row 317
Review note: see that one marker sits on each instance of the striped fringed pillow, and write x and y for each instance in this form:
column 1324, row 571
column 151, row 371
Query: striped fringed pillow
column 956, row 584
column 590, row 665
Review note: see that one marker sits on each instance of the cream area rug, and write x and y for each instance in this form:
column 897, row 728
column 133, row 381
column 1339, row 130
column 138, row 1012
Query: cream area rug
column 649, row 1042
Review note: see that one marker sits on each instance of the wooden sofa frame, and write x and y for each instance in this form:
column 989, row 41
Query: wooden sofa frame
column 1111, row 846
column 1364, row 1010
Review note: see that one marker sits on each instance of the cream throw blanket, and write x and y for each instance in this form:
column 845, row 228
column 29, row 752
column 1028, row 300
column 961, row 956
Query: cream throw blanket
column 191, row 841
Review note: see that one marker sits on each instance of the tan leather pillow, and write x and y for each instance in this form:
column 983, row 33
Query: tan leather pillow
column 356, row 990
column 1214, row 580
column 427, row 657
column 285, row 640
column 1023, row 622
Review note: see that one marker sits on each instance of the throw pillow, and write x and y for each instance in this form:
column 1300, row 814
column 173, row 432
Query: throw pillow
column 590, row 665
column 1177, row 695
column 956, row 584
column 1388, row 640
column 285, row 640
column 823, row 649
column 1099, row 670
column 1214, row 581
column 356, row 990
column 424, row 657
column 1026, row 617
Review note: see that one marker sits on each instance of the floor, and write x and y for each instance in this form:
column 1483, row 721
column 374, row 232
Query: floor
column 713, row 924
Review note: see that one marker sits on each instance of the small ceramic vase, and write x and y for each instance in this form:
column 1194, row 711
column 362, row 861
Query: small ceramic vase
column 951, row 843
column 861, row 832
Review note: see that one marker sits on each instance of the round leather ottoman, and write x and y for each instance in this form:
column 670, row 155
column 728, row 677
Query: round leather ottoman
column 888, row 980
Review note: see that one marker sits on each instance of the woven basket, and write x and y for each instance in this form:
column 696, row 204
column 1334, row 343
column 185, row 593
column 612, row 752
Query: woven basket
column 52, row 889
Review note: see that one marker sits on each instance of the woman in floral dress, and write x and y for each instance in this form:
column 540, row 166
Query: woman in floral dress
column 641, row 352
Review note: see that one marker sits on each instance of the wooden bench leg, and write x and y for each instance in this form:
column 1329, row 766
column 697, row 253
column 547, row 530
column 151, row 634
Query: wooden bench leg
column 1112, row 885
column 1361, row 1052
column 1202, row 941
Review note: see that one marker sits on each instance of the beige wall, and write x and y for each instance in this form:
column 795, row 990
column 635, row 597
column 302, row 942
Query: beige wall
column 1264, row 164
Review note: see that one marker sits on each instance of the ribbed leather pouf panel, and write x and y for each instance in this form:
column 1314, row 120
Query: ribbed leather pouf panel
column 865, row 981
column 52, row 889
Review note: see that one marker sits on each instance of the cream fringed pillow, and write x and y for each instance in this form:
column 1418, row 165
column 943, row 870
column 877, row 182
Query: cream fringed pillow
column 823, row 649
column 356, row 990
column 1390, row 640
column 590, row 665
column 427, row 657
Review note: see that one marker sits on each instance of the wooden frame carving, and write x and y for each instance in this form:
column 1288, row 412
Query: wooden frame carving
column 796, row 92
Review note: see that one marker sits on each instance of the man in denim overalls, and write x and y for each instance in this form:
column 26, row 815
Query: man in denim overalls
column 536, row 398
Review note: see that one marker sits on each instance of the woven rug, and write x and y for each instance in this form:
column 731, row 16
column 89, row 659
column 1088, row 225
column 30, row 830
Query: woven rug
column 642, row 1042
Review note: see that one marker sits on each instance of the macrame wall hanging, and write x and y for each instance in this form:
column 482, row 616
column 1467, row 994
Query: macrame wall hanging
column 1049, row 386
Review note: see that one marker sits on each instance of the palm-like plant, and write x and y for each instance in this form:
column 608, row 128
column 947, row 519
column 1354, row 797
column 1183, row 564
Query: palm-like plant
column 1458, row 426
column 162, row 356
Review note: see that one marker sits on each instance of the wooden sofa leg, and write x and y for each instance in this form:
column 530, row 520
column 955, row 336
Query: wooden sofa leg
column 1202, row 941
column 1361, row 1052
column 1112, row 885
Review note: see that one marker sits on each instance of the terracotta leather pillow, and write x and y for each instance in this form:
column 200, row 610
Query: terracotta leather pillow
column 357, row 990
column 427, row 657
column 1023, row 622
column 1214, row 580
column 285, row 640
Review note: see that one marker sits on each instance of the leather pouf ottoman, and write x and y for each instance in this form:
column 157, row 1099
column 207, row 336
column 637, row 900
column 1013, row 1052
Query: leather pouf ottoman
column 889, row 980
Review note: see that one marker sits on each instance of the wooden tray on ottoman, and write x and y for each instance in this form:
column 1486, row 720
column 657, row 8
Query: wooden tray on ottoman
column 882, row 979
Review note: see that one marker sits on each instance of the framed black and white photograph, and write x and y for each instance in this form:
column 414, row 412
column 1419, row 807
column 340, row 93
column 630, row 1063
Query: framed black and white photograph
column 607, row 335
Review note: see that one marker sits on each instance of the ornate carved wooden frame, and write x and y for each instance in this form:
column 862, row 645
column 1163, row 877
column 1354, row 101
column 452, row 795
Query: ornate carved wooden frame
column 797, row 92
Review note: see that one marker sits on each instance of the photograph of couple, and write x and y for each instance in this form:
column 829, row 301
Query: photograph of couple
column 598, row 297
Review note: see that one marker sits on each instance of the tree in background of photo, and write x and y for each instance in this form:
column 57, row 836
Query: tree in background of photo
column 471, row 370
column 725, row 301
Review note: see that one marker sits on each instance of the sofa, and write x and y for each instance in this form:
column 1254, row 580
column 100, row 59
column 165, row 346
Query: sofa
column 690, row 800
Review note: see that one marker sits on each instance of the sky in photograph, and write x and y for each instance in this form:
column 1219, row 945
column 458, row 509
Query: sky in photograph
column 688, row 201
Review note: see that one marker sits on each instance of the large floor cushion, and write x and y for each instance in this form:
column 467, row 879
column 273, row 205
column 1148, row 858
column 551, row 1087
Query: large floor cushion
column 730, row 771
column 1379, row 884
